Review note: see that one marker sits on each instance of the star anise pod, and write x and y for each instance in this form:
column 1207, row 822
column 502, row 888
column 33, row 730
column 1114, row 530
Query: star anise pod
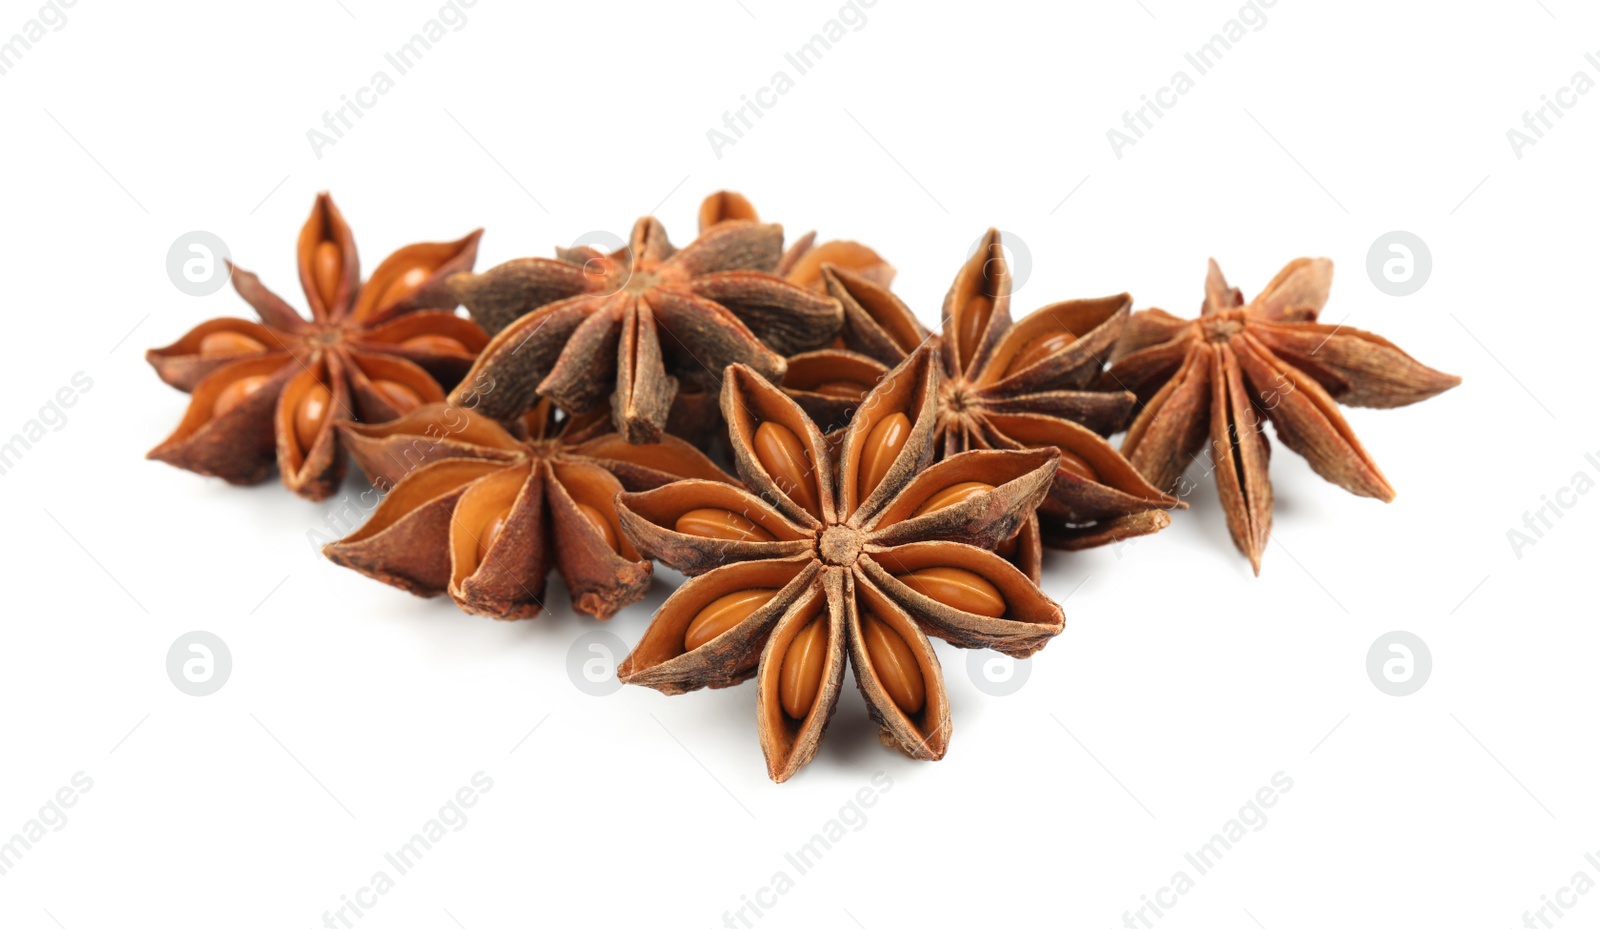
column 274, row 390
column 1218, row 377
column 640, row 327
column 863, row 552
column 481, row 514
column 804, row 259
column 1005, row 386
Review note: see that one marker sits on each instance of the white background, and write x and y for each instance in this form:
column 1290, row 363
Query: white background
column 1181, row 685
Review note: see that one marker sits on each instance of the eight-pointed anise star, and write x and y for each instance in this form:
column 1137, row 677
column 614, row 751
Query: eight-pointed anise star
column 639, row 328
column 862, row 558
column 1005, row 385
column 275, row 389
column 1217, row 376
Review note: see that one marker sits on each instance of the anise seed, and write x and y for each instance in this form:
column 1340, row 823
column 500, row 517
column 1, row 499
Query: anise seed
column 438, row 344
column 327, row 265
column 883, row 444
column 716, row 523
column 600, row 523
column 491, row 530
column 1075, row 465
column 800, row 678
column 229, row 343
column 780, row 452
column 398, row 395
column 894, row 663
column 310, row 414
column 1039, row 349
column 235, row 394
column 724, row 613
column 957, row 588
column 950, row 496
column 841, row 389
column 403, row 285
column 973, row 322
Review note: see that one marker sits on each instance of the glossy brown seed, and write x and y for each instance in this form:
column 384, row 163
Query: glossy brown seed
column 234, row 393
column 780, row 452
column 973, row 322
column 229, row 343
column 883, row 444
column 326, row 267
column 1039, row 349
column 311, row 414
column 403, row 284
column 398, row 395
column 843, row 390
column 800, row 678
column 716, row 523
column 601, row 523
column 957, row 588
column 1075, row 465
column 724, row 613
column 950, row 496
column 894, row 664
column 438, row 344
column 491, row 531
column 1008, row 548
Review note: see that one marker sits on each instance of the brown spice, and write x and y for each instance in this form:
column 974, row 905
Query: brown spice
column 1221, row 376
column 273, row 390
column 876, row 554
column 483, row 515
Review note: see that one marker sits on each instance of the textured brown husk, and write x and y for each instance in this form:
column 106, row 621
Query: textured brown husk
column 842, row 562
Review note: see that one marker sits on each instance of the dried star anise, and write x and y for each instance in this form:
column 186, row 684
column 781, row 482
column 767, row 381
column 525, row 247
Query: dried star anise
column 640, row 328
column 274, row 390
column 1005, row 386
column 803, row 260
column 1217, row 376
column 864, row 551
column 481, row 514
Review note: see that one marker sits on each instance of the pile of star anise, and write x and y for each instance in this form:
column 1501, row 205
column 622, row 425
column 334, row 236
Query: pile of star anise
column 888, row 483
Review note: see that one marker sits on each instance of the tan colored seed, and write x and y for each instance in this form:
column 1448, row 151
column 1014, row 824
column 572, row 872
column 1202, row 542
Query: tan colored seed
column 780, row 452
column 806, row 659
column 716, row 523
column 327, row 266
column 894, row 664
column 957, row 588
column 973, row 322
column 235, row 394
column 491, row 530
column 883, row 445
column 398, row 395
column 724, row 613
column 436, row 344
column 310, row 414
column 600, row 523
column 950, row 496
column 229, row 343
column 1075, row 465
column 403, row 285
column 841, row 390
column 1038, row 350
